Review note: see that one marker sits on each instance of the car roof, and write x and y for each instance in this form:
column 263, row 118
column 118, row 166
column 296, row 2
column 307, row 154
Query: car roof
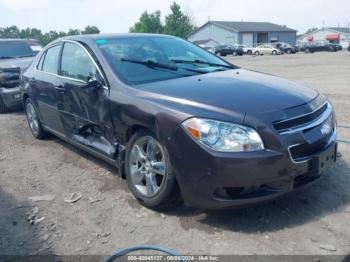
column 109, row 36
column 88, row 39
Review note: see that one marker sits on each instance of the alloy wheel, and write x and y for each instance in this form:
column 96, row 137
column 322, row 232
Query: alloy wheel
column 147, row 165
column 32, row 118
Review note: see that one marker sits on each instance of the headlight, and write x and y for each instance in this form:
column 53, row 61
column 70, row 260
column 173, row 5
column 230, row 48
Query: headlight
column 223, row 136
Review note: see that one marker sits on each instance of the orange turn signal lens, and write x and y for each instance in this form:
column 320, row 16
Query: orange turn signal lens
column 192, row 127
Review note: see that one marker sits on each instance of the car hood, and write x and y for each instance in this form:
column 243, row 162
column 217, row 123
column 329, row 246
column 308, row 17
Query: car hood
column 22, row 63
column 236, row 90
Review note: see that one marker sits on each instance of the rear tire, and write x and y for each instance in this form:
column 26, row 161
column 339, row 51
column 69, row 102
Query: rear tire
column 33, row 120
column 289, row 51
column 149, row 173
column 249, row 52
column 234, row 53
column 3, row 108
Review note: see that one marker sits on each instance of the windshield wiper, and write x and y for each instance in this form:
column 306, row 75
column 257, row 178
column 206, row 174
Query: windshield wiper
column 150, row 63
column 155, row 65
column 6, row 57
column 197, row 61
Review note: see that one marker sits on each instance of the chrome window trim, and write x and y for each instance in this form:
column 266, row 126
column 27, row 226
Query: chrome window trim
column 311, row 124
column 43, row 56
column 66, row 77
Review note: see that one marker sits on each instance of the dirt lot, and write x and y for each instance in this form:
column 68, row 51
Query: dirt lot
column 106, row 218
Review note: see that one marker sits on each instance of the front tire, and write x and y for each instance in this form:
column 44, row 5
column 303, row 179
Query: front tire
column 257, row 53
column 234, row 53
column 3, row 108
column 149, row 173
column 274, row 52
column 33, row 120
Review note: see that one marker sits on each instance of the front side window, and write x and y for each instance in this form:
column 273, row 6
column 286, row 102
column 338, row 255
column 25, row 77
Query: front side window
column 76, row 63
column 138, row 60
column 50, row 62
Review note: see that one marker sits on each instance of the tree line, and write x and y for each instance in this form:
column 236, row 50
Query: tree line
column 44, row 38
column 176, row 23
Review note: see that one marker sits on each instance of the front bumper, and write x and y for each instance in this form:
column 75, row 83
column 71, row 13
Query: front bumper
column 214, row 180
column 12, row 97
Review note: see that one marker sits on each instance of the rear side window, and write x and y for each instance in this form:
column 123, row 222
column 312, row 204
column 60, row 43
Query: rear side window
column 50, row 63
column 76, row 63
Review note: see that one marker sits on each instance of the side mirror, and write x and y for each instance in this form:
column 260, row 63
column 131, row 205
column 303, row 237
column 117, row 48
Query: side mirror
column 95, row 81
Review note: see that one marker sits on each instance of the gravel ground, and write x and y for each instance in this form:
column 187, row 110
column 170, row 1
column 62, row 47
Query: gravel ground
column 313, row 221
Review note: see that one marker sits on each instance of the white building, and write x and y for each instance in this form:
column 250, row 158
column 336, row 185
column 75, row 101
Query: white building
column 247, row 33
column 339, row 35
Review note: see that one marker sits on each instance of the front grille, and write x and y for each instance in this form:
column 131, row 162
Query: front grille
column 10, row 77
column 304, row 150
column 289, row 124
column 316, row 138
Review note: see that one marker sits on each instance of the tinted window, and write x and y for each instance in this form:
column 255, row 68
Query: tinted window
column 161, row 50
column 76, row 63
column 40, row 64
column 9, row 49
column 50, row 63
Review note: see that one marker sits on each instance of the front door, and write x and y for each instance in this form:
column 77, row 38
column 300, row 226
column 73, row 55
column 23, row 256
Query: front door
column 84, row 101
column 46, row 84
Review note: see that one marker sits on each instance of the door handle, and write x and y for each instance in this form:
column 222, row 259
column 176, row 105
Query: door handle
column 61, row 88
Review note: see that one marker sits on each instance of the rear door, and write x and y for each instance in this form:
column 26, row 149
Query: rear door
column 84, row 101
column 46, row 85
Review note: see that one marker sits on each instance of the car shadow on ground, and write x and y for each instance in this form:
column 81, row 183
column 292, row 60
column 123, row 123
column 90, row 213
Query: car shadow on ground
column 17, row 235
column 329, row 194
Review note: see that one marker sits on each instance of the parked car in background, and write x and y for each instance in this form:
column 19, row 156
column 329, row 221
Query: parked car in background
column 210, row 49
column 349, row 47
column 15, row 56
column 246, row 49
column 225, row 50
column 178, row 121
column 285, row 48
column 319, row 46
column 266, row 49
column 237, row 51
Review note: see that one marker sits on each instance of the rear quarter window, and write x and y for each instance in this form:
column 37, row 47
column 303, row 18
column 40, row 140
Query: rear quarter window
column 50, row 60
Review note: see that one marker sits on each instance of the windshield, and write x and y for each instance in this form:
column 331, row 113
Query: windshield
column 138, row 60
column 14, row 49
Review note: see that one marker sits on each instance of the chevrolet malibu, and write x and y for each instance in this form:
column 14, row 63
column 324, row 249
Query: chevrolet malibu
column 179, row 122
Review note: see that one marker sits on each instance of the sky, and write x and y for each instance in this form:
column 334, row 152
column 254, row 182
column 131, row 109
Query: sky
column 117, row 16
